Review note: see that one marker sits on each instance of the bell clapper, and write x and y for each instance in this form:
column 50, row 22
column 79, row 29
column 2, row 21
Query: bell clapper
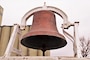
column 43, row 52
column 43, row 49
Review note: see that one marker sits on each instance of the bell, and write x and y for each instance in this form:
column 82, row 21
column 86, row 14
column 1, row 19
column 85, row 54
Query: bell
column 43, row 34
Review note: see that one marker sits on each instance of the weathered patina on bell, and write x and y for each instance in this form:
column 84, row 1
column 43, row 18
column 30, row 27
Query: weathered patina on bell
column 43, row 34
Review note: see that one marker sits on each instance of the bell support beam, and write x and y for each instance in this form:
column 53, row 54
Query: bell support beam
column 10, row 48
column 75, row 39
column 50, row 8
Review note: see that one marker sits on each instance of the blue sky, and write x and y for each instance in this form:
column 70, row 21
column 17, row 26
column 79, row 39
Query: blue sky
column 76, row 10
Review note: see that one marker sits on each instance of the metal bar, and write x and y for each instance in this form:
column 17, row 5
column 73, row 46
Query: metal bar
column 77, row 41
column 17, row 51
column 11, row 41
column 53, row 9
column 68, row 36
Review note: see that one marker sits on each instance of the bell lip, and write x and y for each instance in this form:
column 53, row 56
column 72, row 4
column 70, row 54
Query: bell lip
column 40, row 32
column 23, row 42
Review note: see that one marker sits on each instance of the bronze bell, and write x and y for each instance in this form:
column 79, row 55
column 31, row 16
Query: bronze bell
column 43, row 33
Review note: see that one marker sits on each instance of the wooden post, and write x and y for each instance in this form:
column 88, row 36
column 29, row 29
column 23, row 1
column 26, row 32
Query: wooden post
column 5, row 36
column 1, row 13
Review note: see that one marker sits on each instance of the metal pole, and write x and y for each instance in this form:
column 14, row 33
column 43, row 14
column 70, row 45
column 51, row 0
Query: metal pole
column 11, row 41
column 77, row 41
